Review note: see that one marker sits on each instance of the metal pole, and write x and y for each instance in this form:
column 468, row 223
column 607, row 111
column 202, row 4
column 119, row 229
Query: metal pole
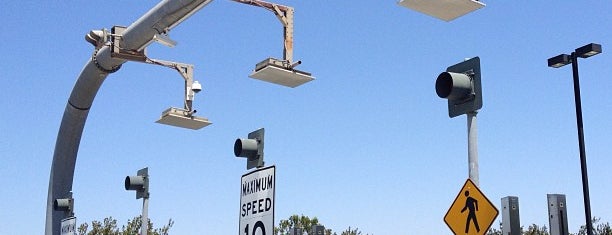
column 583, row 166
column 145, row 216
column 472, row 147
column 163, row 17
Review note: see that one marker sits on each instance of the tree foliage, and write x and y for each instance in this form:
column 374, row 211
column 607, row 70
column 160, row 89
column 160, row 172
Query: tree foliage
column 306, row 223
column 108, row 226
column 299, row 221
column 598, row 228
column 531, row 230
column 350, row 231
column 534, row 229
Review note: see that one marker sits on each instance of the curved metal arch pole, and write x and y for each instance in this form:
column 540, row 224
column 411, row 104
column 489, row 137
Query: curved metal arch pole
column 159, row 20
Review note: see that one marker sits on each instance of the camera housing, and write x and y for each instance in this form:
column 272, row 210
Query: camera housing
column 196, row 86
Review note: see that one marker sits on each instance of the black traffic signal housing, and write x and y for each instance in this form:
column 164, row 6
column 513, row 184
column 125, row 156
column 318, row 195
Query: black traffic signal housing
column 64, row 204
column 251, row 148
column 461, row 86
column 139, row 183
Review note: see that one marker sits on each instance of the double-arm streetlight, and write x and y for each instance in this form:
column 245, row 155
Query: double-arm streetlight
column 560, row 61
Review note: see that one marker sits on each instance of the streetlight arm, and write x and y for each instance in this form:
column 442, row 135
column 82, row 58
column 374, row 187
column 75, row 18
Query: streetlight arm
column 159, row 20
column 186, row 71
column 285, row 15
column 163, row 17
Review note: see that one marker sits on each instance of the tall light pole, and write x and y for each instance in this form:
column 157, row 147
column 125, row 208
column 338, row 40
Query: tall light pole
column 560, row 61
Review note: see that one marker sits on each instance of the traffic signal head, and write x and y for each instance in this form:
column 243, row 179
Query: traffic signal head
column 251, row 148
column 63, row 204
column 139, row 183
column 460, row 84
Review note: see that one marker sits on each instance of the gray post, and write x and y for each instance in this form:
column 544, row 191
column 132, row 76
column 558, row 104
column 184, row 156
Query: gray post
column 472, row 147
column 145, row 216
column 557, row 214
column 511, row 222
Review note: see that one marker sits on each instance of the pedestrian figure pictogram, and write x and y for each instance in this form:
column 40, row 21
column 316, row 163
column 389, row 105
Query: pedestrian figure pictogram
column 471, row 205
column 471, row 213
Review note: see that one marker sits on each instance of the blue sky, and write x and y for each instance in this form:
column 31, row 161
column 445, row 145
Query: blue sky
column 368, row 144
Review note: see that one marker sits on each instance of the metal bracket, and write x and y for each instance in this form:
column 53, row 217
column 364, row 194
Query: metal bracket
column 285, row 15
column 118, row 52
column 186, row 70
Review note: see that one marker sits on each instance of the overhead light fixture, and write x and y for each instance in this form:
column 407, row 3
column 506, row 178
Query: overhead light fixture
column 281, row 72
column 181, row 118
column 272, row 70
column 446, row 10
column 589, row 50
column 559, row 61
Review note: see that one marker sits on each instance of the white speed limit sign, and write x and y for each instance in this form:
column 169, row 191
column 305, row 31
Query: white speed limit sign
column 257, row 202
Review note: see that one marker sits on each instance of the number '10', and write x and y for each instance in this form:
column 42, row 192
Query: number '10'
column 259, row 224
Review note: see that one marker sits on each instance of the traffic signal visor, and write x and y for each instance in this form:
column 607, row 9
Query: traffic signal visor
column 63, row 204
column 251, row 148
column 138, row 183
column 453, row 86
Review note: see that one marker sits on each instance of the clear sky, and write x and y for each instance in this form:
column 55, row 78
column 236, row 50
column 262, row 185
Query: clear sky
column 368, row 144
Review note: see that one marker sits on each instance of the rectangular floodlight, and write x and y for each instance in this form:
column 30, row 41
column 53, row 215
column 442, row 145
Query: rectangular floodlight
column 446, row 10
column 176, row 117
column 559, row 61
column 269, row 70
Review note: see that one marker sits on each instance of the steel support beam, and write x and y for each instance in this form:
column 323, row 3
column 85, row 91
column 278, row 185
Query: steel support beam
column 159, row 20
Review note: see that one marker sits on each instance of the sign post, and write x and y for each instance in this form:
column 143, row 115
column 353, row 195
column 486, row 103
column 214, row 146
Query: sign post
column 471, row 213
column 257, row 202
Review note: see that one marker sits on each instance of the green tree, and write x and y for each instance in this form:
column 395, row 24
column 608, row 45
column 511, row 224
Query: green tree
column 306, row 224
column 598, row 228
column 299, row 221
column 109, row 227
column 350, row 231
column 493, row 231
column 534, row 229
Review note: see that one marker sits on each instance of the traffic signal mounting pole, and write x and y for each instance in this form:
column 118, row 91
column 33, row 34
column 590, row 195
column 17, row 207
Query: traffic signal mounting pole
column 145, row 216
column 140, row 184
column 461, row 86
column 472, row 146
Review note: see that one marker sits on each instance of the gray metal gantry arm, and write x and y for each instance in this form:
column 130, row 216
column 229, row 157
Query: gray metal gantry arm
column 159, row 20
column 156, row 23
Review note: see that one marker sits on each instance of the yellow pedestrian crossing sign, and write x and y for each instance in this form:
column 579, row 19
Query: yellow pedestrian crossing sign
column 471, row 213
